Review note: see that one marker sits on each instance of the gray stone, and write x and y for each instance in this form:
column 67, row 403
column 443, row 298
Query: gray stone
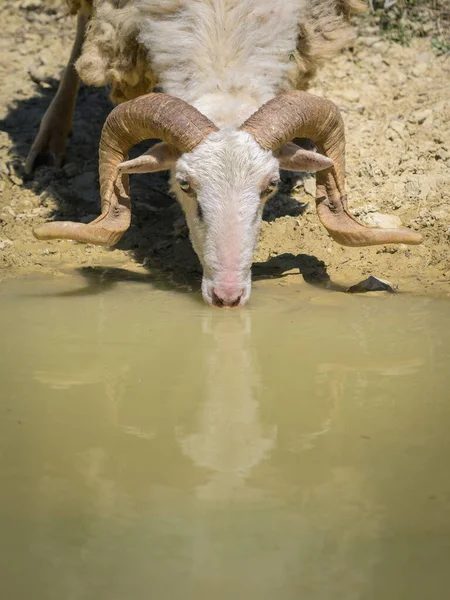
column 372, row 284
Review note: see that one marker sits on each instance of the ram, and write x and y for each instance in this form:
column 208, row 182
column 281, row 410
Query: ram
column 233, row 75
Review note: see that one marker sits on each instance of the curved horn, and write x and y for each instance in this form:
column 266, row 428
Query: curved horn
column 152, row 116
column 299, row 114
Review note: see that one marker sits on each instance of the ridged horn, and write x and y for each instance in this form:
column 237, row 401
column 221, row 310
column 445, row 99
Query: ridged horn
column 147, row 117
column 299, row 114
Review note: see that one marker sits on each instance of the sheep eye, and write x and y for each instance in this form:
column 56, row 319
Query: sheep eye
column 273, row 184
column 199, row 212
column 185, row 186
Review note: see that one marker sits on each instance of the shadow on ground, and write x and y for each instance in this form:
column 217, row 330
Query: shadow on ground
column 100, row 279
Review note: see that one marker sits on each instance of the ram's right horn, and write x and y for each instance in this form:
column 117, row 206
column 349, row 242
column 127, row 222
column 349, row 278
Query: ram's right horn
column 299, row 114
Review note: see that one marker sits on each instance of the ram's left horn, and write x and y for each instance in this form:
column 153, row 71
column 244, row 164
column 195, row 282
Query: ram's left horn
column 147, row 117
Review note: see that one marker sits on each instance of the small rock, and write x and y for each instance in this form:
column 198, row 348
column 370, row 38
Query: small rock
column 31, row 4
column 442, row 154
column 24, row 205
column 38, row 74
column 399, row 77
column 423, row 57
column 396, row 129
column 348, row 95
column 4, row 243
column 16, row 180
column 372, row 284
column 297, row 184
column 422, row 117
column 359, row 211
column 381, row 47
column 377, row 219
column 370, row 40
column 372, row 31
column 71, row 169
column 309, row 185
column 46, row 56
column 374, row 60
column 420, row 69
column 10, row 211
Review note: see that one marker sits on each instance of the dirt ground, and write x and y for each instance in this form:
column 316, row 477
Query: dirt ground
column 396, row 104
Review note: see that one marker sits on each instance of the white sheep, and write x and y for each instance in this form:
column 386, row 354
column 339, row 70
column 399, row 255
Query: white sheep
column 231, row 72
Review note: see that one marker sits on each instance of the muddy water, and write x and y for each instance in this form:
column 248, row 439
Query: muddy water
column 154, row 448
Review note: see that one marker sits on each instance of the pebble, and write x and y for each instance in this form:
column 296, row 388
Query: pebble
column 422, row 117
column 31, row 4
column 71, row 169
column 377, row 219
column 365, row 209
column 24, row 205
column 10, row 211
column 38, row 74
column 16, row 180
column 396, row 129
column 372, row 284
column 374, row 60
column 349, row 95
column 423, row 57
column 420, row 69
column 46, row 56
column 4, row 243
column 381, row 47
column 370, row 40
column 309, row 185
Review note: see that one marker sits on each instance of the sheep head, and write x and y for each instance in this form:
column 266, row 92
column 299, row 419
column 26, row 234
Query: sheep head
column 222, row 179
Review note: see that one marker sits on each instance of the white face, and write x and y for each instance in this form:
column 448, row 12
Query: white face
column 222, row 186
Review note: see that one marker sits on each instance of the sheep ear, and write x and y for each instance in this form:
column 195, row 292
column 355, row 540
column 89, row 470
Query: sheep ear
column 294, row 158
column 160, row 157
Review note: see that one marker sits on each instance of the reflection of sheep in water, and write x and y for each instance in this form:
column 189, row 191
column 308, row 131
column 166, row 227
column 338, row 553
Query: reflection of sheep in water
column 231, row 71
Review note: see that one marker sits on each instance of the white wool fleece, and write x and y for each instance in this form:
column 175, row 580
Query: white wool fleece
column 225, row 57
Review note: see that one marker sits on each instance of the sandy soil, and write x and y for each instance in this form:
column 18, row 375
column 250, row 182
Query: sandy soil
column 396, row 104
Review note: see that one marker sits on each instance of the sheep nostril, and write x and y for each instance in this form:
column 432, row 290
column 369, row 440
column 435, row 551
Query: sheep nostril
column 216, row 300
column 222, row 298
column 236, row 302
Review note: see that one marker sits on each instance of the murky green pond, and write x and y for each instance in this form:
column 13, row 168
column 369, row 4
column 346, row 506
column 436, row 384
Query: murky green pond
column 154, row 448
